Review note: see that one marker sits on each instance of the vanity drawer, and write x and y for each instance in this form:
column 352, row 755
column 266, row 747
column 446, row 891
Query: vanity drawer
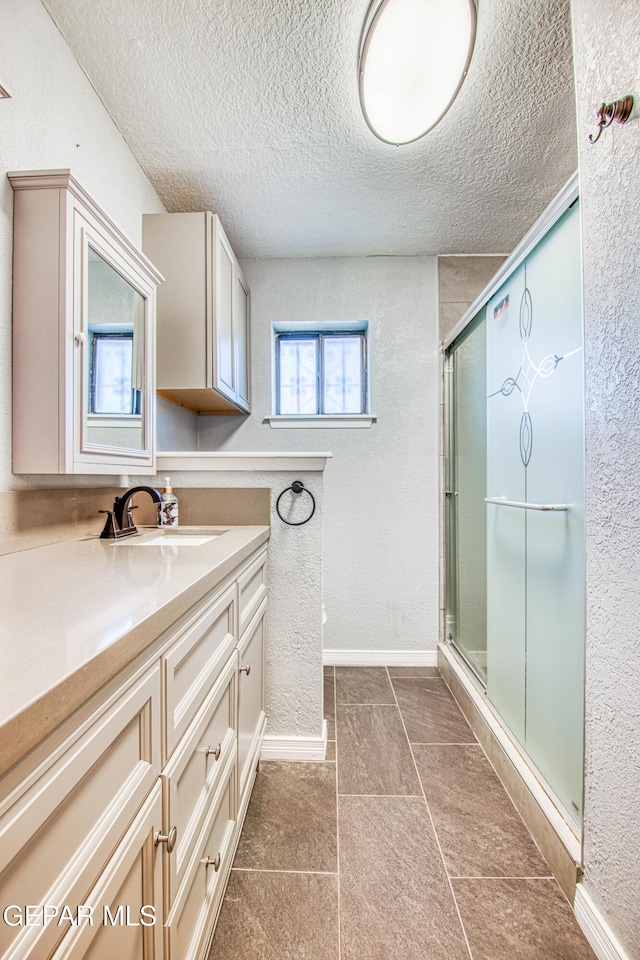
column 194, row 771
column 193, row 662
column 195, row 909
column 252, row 589
column 60, row 831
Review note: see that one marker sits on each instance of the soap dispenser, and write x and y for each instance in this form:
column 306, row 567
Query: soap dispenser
column 169, row 508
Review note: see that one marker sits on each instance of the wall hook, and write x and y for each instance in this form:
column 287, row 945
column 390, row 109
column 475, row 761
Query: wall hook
column 618, row 111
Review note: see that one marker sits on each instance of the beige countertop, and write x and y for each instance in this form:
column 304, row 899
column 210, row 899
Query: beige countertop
column 73, row 614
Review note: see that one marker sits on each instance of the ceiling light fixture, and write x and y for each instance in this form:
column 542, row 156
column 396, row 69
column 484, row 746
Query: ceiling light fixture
column 414, row 56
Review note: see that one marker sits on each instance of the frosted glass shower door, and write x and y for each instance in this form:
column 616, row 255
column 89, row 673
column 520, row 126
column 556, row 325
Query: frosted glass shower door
column 555, row 541
column 506, row 527
column 535, row 557
column 468, row 477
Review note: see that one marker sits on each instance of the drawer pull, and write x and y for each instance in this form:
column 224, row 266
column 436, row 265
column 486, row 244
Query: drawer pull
column 214, row 753
column 246, row 669
column 168, row 838
column 209, row 862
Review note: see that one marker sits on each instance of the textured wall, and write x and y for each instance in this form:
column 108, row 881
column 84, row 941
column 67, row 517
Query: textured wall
column 177, row 427
column 294, row 620
column 460, row 281
column 607, row 66
column 54, row 119
column 381, row 520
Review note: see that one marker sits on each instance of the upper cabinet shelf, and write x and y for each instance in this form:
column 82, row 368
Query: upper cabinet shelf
column 84, row 301
column 203, row 314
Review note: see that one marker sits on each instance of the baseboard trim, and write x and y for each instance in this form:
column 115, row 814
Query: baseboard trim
column 295, row 748
column 380, row 658
column 596, row 929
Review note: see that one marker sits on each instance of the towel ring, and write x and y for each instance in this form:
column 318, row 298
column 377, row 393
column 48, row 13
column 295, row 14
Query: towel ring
column 297, row 487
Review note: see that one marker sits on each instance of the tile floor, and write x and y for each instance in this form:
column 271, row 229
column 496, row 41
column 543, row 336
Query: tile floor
column 402, row 846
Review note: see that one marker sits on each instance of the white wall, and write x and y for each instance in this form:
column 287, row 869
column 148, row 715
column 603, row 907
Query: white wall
column 177, row 427
column 381, row 519
column 607, row 66
column 54, row 120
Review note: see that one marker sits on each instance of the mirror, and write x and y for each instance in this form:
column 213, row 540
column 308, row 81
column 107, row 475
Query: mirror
column 115, row 356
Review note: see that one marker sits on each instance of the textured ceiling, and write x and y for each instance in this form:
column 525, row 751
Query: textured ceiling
column 251, row 110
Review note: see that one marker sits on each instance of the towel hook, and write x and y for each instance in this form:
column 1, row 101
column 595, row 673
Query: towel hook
column 618, row 111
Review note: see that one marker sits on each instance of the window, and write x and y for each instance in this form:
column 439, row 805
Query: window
column 112, row 374
column 321, row 372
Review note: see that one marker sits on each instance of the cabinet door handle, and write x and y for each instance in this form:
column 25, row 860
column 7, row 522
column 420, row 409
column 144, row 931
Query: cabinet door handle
column 80, row 337
column 168, row 838
column 209, row 862
column 246, row 669
column 215, row 753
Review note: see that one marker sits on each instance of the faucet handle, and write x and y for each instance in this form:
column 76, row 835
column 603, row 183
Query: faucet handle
column 109, row 532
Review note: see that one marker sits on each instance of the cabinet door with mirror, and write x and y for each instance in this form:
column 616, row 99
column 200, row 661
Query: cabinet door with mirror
column 84, row 333
column 115, row 363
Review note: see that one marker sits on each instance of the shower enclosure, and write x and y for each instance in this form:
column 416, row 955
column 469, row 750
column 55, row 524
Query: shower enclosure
column 515, row 499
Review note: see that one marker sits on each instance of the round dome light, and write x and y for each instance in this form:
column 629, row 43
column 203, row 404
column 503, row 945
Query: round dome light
column 414, row 56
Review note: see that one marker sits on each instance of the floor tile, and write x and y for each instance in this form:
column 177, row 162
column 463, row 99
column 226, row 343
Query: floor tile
column 420, row 672
column 430, row 713
column 373, row 754
column 527, row 919
column 330, row 707
column 363, row 685
column 291, row 820
column 395, row 900
column 479, row 829
column 278, row 916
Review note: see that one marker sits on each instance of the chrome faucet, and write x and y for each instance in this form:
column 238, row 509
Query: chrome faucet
column 115, row 526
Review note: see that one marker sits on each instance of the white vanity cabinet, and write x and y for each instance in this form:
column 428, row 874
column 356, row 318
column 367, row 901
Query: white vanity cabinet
column 129, row 895
column 203, row 314
column 65, row 809
column 132, row 808
column 84, row 302
column 250, row 701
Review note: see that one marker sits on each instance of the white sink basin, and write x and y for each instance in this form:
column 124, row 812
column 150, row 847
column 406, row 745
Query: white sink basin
column 171, row 540
column 174, row 537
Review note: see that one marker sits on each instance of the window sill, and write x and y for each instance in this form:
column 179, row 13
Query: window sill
column 123, row 421
column 353, row 421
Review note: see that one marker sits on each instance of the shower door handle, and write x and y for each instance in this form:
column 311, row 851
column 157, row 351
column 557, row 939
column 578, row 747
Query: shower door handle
column 547, row 507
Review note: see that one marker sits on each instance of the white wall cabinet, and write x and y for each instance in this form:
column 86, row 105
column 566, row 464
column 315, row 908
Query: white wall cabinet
column 139, row 802
column 84, row 303
column 243, row 339
column 203, row 314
